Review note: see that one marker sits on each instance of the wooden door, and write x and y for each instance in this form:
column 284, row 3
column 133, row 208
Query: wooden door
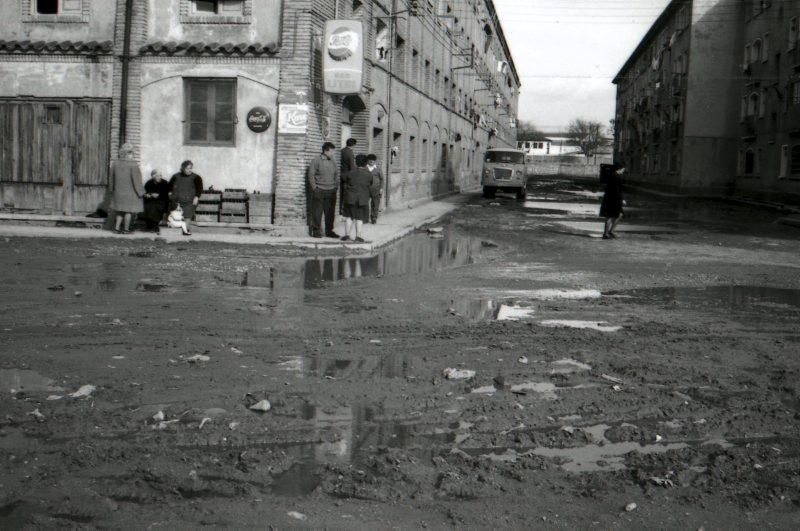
column 91, row 147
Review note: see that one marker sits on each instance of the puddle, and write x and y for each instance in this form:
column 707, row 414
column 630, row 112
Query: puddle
column 384, row 366
column 300, row 479
column 569, row 366
column 600, row 326
column 577, row 209
column 732, row 297
column 16, row 380
column 545, row 390
column 514, row 313
column 602, row 455
column 563, row 294
column 413, row 255
column 595, row 229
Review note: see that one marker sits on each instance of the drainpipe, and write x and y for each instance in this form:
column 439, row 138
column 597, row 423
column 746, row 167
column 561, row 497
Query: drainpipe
column 126, row 58
column 389, row 133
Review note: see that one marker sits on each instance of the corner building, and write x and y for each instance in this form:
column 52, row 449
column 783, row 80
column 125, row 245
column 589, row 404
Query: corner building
column 211, row 80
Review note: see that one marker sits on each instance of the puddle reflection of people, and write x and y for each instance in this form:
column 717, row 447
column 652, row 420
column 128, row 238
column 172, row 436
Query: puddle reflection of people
column 126, row 189
column 356, row 199
column 611, row 207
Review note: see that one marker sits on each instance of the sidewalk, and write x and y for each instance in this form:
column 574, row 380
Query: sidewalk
column 391, row 226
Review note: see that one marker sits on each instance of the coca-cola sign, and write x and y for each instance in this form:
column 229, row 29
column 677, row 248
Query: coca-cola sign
column 259, row 119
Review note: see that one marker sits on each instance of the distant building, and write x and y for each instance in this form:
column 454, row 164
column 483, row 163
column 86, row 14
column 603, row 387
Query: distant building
column 239, row 87
column 710, row 99
column 535, row 145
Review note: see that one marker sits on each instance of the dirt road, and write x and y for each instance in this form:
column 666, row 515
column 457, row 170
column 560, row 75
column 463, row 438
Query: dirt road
column 657, row 372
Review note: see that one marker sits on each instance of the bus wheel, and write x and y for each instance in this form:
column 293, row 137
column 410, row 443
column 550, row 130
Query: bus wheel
column 489, row 191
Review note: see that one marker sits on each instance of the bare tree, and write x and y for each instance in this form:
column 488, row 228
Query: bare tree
column 527, row 131
column 587, row 134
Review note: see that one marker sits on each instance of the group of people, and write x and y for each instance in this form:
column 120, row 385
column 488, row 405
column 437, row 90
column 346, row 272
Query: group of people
column 156, row 199
column 357, row 181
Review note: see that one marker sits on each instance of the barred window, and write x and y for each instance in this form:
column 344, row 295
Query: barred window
column 58, row 7
column 210, row 112
column 218, row 7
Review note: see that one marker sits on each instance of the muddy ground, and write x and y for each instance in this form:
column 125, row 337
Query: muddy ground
column 659, row 369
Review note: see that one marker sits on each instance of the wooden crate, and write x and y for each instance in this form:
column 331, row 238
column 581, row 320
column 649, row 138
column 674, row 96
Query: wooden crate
column 235, row 206
column 208, row 207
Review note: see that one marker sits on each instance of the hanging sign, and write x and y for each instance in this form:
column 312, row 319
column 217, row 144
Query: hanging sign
column 343, row 61
column 259, row 119
column 293, row 119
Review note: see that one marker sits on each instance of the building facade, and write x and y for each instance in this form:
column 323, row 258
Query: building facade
column 237, row 86
column 677, row 99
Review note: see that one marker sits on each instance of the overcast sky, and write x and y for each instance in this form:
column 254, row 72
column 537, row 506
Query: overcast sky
column 568, row 51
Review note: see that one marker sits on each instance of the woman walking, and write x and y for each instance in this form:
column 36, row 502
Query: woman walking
column 125, row 186
column 611, row 207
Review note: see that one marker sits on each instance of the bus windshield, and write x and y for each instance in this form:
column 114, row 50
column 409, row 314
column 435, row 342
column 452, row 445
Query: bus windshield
column 509, row 157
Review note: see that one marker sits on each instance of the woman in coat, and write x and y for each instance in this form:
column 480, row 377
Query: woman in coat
column 156, row 200
column 356, row 199
column 611, row 207
column 125, row 186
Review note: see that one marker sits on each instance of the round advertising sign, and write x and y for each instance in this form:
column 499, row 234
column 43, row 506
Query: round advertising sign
column 259, row 119
column 343, row 43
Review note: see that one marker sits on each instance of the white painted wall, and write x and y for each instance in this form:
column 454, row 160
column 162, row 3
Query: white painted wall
column 248, row 165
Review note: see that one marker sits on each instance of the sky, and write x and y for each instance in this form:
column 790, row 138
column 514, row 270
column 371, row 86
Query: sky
column 567, row 53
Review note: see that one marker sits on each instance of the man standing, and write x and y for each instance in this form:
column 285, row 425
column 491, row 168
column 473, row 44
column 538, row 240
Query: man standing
column 375, row 188
column 347, row 164
column 323, row 180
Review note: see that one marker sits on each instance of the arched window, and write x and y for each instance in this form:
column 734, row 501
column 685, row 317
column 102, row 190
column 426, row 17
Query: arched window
column 755, row 51
column 752, row 104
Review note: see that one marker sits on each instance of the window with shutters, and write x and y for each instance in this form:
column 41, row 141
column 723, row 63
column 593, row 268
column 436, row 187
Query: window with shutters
column 210, row 118
column 216, row 11
column 55, row 10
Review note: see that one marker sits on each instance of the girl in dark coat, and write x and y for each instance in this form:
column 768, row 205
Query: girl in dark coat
column 611, row 207
column 356, row 199
column 156, row 200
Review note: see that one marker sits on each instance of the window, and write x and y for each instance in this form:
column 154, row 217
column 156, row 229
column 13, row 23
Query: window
column 752, row 104
column 218, row 7
column 793, row 31
column 762, row 103
column 52, row 114
column 755, row 52
column 216, row 11
column 765, row 49
column 747, row 55
column 749, row 162
column 794, row 167
column 210, row 112
column 58, row 7
column 784, row 162
column 509, row 157
column 381, row 41
column 399, row 64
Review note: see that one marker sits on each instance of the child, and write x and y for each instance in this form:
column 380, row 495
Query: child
column 176, row 220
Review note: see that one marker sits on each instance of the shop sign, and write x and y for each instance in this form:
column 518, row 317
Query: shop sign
column 259, row 119
column 344, row 56
column 293, row 119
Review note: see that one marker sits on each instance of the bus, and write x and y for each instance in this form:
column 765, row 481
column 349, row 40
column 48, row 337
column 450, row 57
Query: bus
column 504, row 171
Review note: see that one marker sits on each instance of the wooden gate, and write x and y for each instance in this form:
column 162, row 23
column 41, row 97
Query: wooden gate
column 54, row 154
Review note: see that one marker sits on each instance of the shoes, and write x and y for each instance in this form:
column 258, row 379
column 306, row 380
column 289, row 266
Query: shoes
column 187, row 233
column 345, row 238
column 374, row 221
column 361, row 240
column 119, row 231
column 331, row 234
column 612, row 235
column 606, row 237
column 316, row 235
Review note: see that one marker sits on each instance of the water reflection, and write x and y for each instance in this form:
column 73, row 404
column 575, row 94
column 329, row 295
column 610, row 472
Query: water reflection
column 724, row 296
column 383, row 366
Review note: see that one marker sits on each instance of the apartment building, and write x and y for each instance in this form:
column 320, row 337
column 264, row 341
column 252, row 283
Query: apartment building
column 678, row 98
column 239, row 88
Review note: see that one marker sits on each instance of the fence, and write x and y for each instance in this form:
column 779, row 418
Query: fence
column 570, row 166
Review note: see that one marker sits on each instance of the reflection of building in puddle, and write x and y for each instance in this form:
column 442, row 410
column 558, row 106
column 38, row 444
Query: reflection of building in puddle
column 733, row 297
column 600, row 326
column 385, row 366
column 343, row 434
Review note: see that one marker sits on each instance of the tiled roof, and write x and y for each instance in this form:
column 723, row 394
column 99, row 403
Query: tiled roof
column 65, row 47
column 202, row 48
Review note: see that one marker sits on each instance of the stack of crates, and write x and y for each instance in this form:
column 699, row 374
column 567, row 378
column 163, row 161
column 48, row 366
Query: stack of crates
column 208, row 208
column 235, row 206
